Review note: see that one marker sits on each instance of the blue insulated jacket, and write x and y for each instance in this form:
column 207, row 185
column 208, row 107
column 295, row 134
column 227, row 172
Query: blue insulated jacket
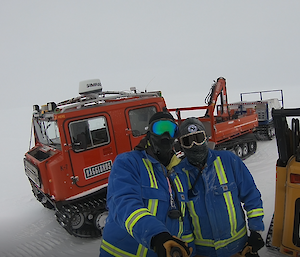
column 216, row 204
column 138, row 200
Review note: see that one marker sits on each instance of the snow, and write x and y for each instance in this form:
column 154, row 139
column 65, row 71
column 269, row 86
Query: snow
column 29, row 229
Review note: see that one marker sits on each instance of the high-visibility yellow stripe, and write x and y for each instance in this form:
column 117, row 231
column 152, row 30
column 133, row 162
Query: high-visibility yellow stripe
column 220, row 171
column 135, row 217
column 188, row 238
column 114, row 250
column 180, row 230
column 255, row 213
column 204, row 242
column 188, row 177
column 148, row 165
column 178, row 184
column 142, row 251
column 227, row 196
column 223, row 243
column 152, row 207
column 231, row 212
column 195, row 220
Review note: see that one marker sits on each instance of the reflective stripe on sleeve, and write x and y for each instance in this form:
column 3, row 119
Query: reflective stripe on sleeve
column 152, row 207
column 135, row 217
column 142, row 251
column 188, row 238
column 255, row 213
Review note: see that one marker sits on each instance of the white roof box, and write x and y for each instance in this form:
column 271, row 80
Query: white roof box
column 90, row 86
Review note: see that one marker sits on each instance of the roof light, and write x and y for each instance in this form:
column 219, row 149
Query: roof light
column 43, row 109
column 51, row 106
column 36, row 108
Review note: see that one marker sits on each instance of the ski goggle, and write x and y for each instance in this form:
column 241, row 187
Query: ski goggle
column 161, row 126
column 197, row 138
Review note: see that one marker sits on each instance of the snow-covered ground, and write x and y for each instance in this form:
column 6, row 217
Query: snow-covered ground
column 29, row 229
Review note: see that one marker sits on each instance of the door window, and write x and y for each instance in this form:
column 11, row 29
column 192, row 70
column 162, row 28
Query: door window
column 89, row 133
column 139, row 119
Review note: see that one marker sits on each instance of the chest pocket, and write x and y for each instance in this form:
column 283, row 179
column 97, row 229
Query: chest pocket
column 153, row 193
column 221, row 189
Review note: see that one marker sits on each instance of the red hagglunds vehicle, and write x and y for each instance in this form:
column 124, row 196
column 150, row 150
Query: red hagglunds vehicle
column 76, row 142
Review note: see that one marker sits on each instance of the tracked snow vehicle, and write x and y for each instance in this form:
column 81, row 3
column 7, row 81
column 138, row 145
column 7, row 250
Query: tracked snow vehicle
column 226, row 130
column 76, row 142
column 263, row 107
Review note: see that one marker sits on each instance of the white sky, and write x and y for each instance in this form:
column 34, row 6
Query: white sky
column 178, row 47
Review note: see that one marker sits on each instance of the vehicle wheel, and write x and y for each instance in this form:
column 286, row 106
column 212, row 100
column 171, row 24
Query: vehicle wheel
column 100, row 220
column 245, row 149
column 252, row 147
column 238, row 151
column 77, row 221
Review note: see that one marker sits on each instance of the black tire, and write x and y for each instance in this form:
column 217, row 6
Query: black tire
column 245, row 149
column 252, row 146
column 77, row 221
column 238, row 151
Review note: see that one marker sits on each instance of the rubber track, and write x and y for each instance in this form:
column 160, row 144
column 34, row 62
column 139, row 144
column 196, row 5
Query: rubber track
column 67, row 212
column 231, row 144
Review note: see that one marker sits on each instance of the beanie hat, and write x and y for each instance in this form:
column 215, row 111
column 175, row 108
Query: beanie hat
column 190, row 125
column 197, row 154
column 161, row 115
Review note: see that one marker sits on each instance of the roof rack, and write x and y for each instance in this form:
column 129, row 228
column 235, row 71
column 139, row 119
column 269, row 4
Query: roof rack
column 100, row 98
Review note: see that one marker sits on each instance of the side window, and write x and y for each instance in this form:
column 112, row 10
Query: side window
column 89, row 133
column 139, row 119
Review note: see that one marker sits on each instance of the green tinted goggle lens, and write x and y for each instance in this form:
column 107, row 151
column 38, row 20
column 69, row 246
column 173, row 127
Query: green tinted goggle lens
column 197, row 138
column 162, row 126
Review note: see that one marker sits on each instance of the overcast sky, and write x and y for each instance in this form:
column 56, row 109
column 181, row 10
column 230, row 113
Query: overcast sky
column 178, row 47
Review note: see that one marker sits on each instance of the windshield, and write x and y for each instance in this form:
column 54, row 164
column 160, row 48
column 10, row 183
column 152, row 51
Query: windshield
column 47, row 132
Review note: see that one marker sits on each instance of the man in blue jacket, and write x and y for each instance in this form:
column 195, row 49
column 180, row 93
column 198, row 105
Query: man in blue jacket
column 221, row 191
column 146, row 199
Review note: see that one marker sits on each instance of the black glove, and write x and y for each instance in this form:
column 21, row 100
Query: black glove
column 164, row 242
column 256, row 242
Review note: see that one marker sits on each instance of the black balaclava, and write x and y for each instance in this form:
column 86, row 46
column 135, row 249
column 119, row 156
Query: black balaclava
column 197, row 154
column 161, row 146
